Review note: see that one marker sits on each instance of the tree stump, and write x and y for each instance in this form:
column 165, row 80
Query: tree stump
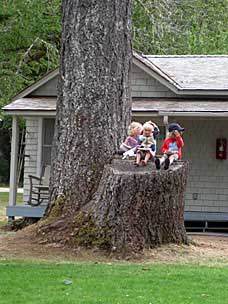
column 140, row 206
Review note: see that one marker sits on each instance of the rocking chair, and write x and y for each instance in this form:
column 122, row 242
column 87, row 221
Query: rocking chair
column 39, row 187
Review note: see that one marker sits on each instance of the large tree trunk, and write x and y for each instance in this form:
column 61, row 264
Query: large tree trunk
column 133, row 208
column 93, row 106
column 141, row 207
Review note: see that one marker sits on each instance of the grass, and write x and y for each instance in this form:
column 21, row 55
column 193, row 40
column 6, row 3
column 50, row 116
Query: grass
column 4, row 199
column 111, row 284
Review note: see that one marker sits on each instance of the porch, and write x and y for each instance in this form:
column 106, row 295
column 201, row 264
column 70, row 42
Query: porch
column 24, row 210
column 37, row 155
column 205, row 121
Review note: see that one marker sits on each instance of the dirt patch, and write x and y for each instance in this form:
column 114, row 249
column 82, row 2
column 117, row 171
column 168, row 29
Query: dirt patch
column 204, row 250
column 21, row 245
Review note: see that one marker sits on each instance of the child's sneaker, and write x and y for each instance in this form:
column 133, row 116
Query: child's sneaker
column 167, row 163
column 157, row 163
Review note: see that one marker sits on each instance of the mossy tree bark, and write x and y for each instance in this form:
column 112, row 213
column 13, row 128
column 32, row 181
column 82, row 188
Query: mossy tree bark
column 141, row 207
column 93, row 105
column 132, row 209
column 126, row 208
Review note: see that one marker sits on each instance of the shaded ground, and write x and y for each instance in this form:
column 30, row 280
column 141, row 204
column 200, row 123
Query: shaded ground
column 210, row 250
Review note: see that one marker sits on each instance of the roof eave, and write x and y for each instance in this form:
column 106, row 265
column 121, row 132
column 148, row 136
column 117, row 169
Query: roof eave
column 143, row 63
column 152, row 70
column 137, row 113
column 147, row 67
column 194, row 114
column 192, row 92
column 36, row 113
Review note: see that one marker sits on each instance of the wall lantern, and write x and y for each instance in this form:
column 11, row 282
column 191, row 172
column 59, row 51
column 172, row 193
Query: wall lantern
column 221, row 148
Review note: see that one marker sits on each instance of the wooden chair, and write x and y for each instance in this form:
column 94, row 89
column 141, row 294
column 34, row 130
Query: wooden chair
column 39, row 187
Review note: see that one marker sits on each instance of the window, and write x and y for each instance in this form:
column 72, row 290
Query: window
column 48, row 134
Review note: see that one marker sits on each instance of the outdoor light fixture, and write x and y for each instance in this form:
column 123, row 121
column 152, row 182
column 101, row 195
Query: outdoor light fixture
column 221, row 148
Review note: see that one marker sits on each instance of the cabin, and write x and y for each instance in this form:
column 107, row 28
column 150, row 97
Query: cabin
column 189, row 89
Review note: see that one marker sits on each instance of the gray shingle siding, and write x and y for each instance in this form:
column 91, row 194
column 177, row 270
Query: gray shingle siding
column 143, row 85
column 48, row 89
column 208, row 176
column 30, row 165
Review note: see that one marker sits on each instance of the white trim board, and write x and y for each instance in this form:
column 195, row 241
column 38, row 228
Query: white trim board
column 32, row 113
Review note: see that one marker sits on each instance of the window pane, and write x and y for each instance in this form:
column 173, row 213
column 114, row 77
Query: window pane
column 48, row 131
column 46, row 156
column 48, row 134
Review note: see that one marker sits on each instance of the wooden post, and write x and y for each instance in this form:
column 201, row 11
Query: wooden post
column 39, row 146
column 166, row 122
column 13, row 162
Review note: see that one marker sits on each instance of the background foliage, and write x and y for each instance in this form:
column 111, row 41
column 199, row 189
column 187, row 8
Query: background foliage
column 30, row 37
column 30, row 33
column 181, row 26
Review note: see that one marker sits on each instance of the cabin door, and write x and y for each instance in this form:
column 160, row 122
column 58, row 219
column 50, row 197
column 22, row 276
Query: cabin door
column 47, row 140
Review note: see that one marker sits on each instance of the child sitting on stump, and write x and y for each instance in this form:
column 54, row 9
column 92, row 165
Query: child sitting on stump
column 147, row 143
column 134, row 130
column 171, row 147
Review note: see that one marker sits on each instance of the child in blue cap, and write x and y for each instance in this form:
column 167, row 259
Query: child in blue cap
column 171, row 147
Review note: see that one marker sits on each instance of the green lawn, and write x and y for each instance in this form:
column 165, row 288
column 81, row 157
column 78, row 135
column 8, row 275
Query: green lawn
column 25, row 283
column 4, row 198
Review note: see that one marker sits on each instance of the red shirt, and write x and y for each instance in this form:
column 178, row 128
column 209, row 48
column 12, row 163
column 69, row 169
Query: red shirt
column 173, row 144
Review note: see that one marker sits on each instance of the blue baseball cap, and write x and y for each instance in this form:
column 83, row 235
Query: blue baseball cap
column 175, row 127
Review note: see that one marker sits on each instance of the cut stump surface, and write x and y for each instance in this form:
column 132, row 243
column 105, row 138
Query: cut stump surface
column 140, row 206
